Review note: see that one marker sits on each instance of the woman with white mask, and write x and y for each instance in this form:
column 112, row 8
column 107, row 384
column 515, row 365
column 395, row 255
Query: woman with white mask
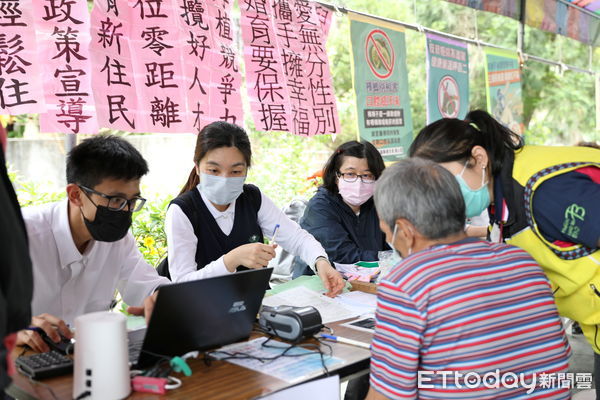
column 341, row 215
column 217, row 223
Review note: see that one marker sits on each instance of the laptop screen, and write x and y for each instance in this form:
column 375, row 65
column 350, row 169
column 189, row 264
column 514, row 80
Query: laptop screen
column 204, row 314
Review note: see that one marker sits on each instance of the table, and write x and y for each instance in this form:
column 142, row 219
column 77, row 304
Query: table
column 220, row 380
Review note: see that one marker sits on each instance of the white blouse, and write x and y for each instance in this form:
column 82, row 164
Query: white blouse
column 182, row 241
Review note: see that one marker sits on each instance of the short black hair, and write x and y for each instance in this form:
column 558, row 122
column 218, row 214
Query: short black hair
column 363, row 149
column 104, row 157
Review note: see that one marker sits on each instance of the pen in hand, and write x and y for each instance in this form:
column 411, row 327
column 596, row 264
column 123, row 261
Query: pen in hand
column 274, row 235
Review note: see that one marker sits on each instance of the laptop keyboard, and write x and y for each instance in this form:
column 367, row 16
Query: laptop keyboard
column 134, row 350
column 134, row 344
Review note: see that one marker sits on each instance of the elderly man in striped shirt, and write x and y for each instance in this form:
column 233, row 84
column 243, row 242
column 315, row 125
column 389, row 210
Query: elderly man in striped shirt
column 458, row 318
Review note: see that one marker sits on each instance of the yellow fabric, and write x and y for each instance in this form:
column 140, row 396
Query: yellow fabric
column 534, row 13
column 532, row 159
column 583, row 306
column 566, row 276
column 573, row 281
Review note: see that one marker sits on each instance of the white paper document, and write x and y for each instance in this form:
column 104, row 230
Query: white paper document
column 290, row 369
column 358, row 302
column 330, row 309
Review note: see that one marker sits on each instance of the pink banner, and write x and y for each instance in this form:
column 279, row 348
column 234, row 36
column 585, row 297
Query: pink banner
column 265, row 78
column 288, row 74
column 21, row 89
column 156, row 47
column 62, row 28
column 197, row 36
column 226, row 79
column 325, row 17
column 166, row 65
column 300, row 34
column 112, row 69
column 210, row 63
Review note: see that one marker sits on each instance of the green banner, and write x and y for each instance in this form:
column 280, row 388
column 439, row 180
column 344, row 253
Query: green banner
column 447, row 78
column 380, row 82
column 503, row 86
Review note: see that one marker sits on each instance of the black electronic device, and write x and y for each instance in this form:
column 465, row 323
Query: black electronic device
column 200, row 315
column 64, row 346
column 44, row 365
column 290, row 323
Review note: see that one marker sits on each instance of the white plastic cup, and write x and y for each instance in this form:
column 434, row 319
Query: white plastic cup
column 101, row 356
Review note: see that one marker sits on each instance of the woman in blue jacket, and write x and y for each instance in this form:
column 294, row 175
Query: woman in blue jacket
column 341, row 215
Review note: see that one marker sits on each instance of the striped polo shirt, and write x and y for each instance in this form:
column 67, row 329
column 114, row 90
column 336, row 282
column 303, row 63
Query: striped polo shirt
column 463, row 321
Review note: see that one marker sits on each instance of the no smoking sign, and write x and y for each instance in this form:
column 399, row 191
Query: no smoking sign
column 379, row 53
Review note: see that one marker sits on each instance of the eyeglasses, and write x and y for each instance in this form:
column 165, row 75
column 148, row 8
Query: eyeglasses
column 117, row 203
column 352, row 177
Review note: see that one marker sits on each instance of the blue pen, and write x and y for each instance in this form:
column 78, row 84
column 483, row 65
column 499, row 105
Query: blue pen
column 35, row 329
column 346, row 341
column 274, row 235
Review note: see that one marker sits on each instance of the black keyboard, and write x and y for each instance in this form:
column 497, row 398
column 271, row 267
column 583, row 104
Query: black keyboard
column 44, row 365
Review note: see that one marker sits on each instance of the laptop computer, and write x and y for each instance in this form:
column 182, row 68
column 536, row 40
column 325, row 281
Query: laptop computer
column 200, row 315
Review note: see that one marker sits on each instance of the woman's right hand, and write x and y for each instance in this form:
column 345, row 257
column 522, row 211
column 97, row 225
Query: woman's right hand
column 252, row 255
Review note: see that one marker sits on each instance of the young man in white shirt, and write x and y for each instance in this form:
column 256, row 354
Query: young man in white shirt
column 81, row 248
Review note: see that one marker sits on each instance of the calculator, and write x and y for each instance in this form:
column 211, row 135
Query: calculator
column 44, row 365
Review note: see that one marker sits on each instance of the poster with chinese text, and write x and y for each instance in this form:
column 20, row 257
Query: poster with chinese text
column 503, row 87
column 447, row 78
column 381, row 85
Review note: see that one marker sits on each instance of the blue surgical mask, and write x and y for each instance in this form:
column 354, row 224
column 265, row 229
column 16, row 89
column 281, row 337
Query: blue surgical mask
column 475, row 200
column 219, row 189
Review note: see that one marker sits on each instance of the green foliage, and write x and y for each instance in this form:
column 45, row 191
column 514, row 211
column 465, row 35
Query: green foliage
column 148, row 230
column 284, row 162
column 31, row 193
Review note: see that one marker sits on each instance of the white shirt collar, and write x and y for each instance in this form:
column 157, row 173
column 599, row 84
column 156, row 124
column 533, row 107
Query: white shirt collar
column 216, row 213
column 67, row 251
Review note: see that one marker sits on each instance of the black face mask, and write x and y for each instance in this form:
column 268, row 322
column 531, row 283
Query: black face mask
column 108, row 226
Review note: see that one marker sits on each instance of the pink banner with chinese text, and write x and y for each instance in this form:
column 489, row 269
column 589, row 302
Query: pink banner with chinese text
column 21, row 89
column 62, row 30
column 269, row 98
column 156, row 44
column 300, row 30
column 112, row 68
column 287, row 66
